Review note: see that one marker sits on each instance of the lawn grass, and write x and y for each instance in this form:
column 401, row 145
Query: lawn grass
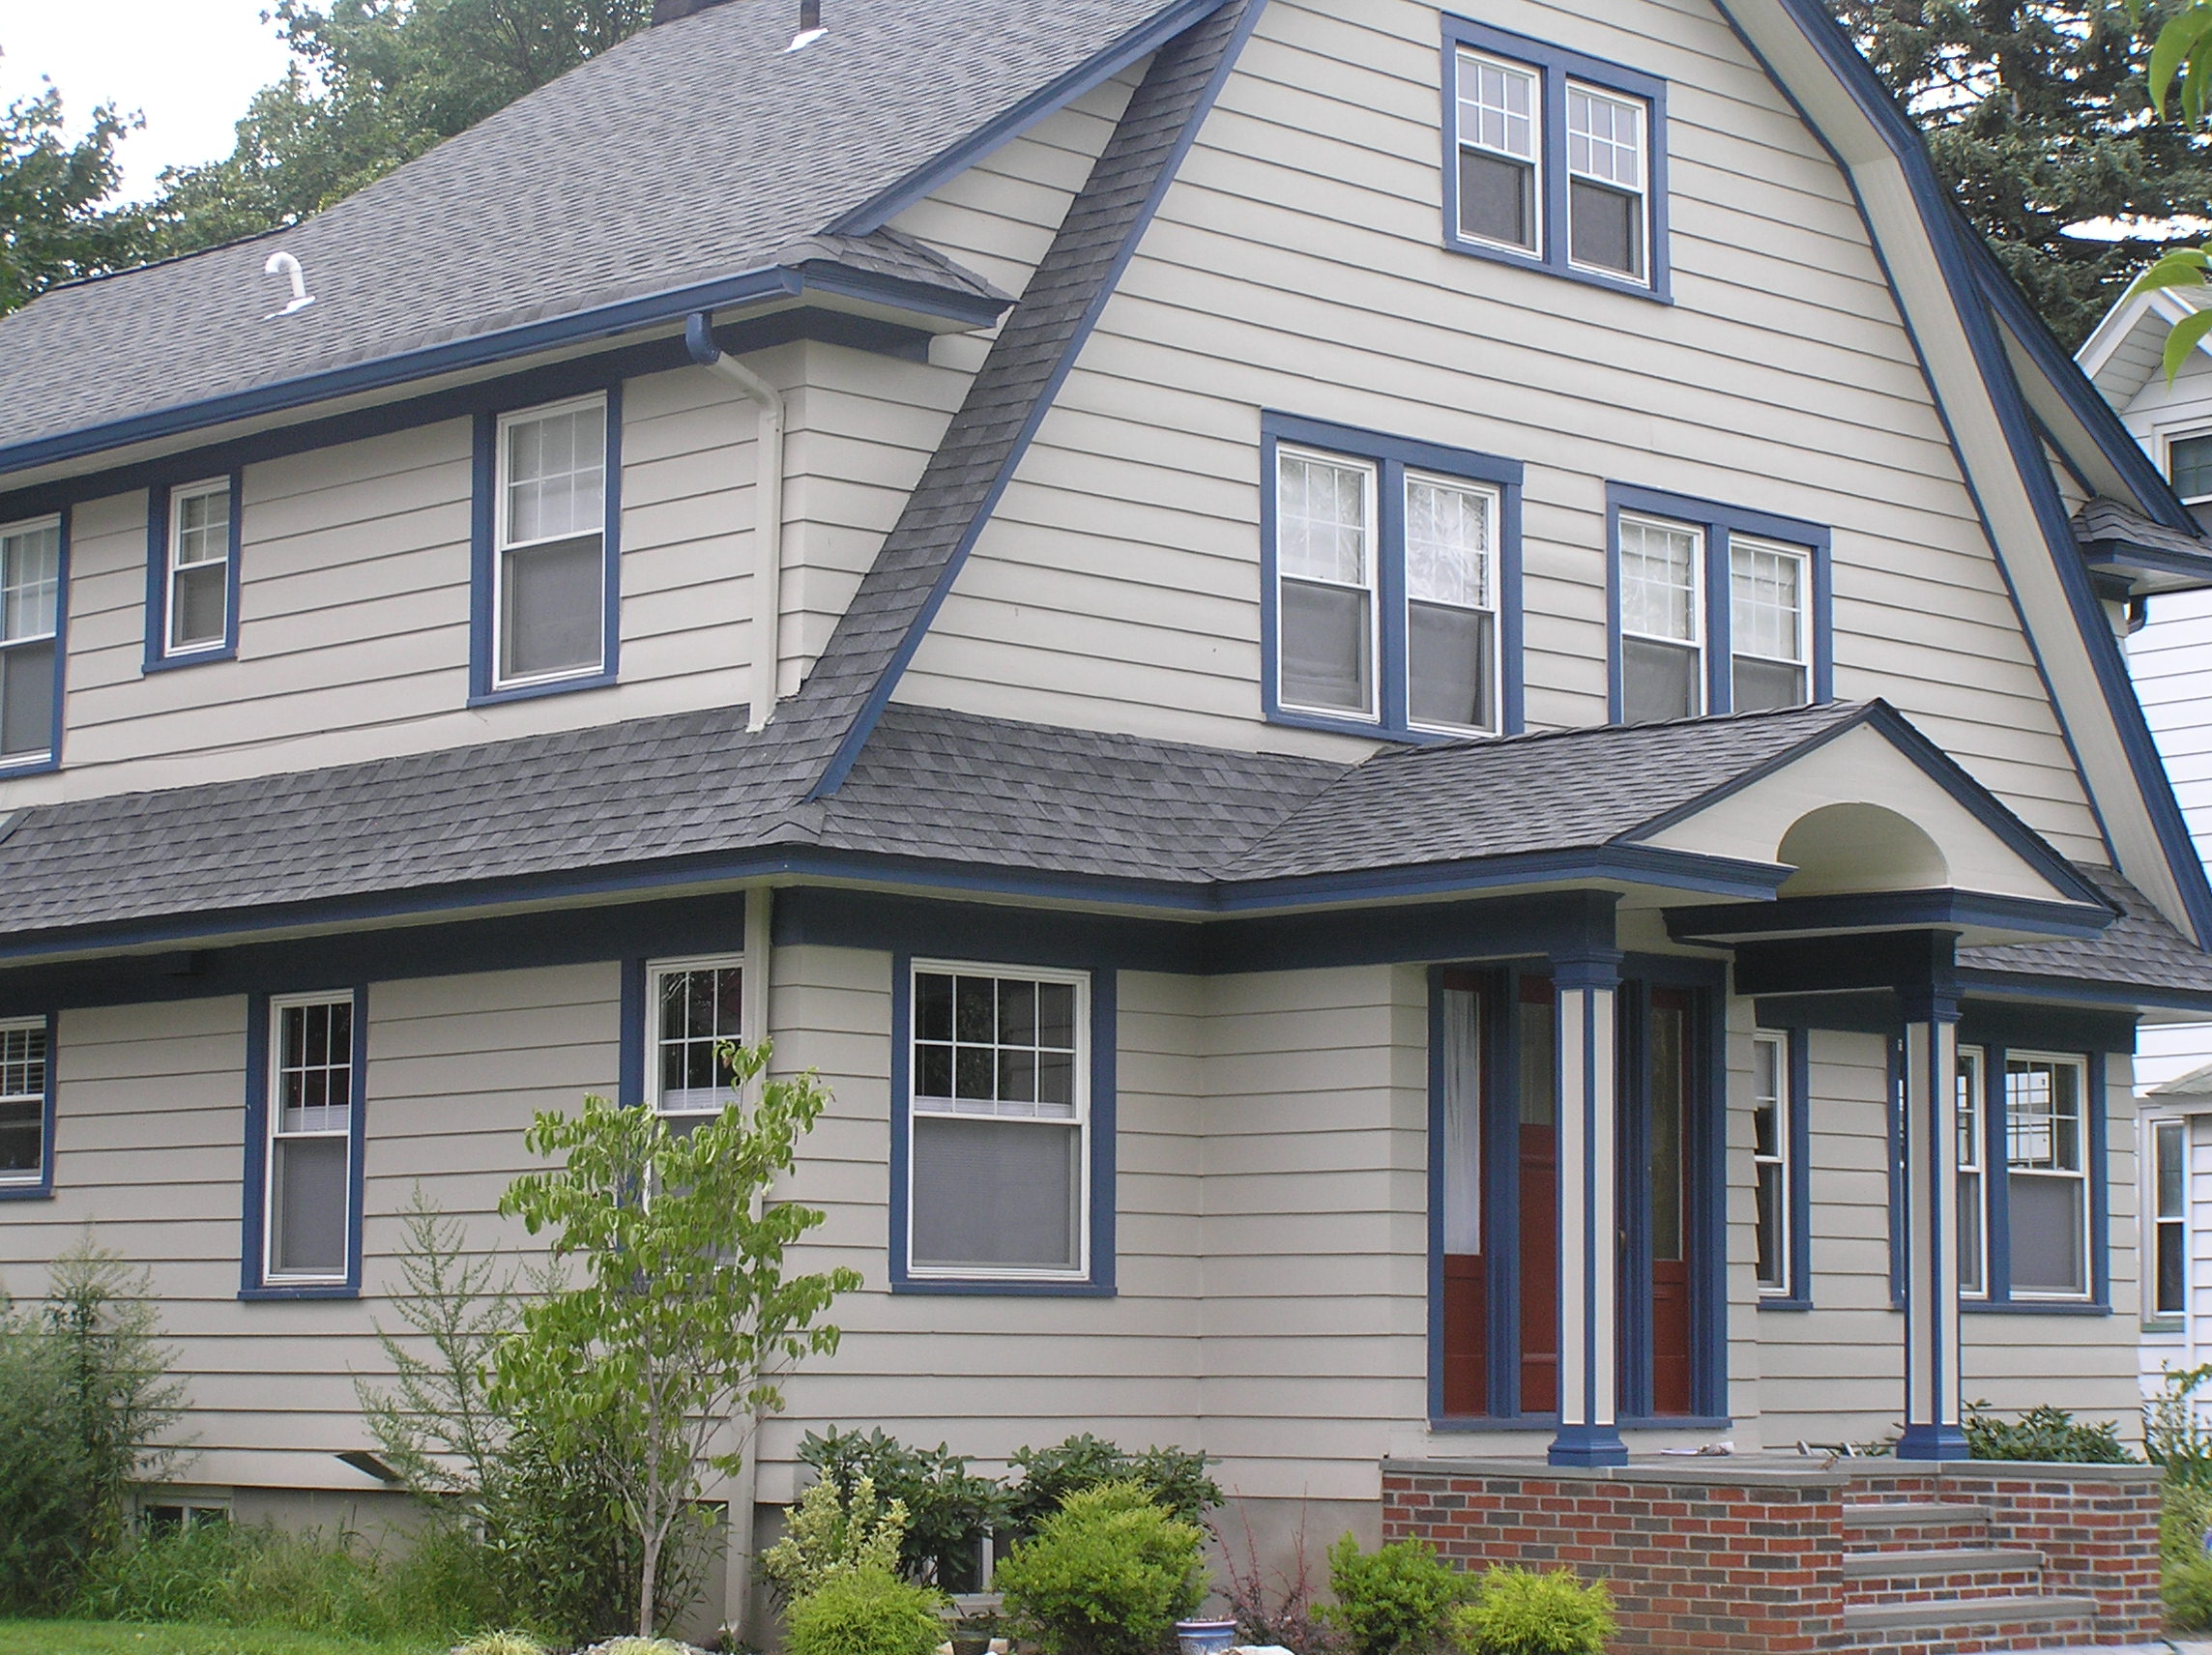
column 122, row 1637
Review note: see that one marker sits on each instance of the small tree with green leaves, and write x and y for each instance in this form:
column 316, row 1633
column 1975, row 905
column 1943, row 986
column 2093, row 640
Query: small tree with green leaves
column 664, row 1343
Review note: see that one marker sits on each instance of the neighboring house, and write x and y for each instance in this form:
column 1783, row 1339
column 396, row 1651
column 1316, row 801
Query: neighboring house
column 1459, row 804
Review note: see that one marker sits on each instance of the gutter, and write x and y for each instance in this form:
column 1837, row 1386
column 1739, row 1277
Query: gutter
column 767, row 513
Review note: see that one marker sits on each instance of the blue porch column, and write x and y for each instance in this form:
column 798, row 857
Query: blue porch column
column 1934, row 1428
column 1587, row 983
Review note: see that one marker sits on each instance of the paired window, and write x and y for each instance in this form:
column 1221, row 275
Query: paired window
column 195, row 612
column 26, row 1105
column 1392, row 571
column 1715, row 610
column 1774, row 1112
column 997, row 1151
column 2167, row 1291
column 547, row 563
column 2028, row 1156
column 698, row 1011
column 1553, row 160
column 310, row 1143
column 31, row 581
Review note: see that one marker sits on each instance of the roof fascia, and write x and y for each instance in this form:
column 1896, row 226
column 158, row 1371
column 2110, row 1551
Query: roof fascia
column 1885, row 911
column 1141, row 41
column 2191, row 572
column 2126, row 996
column 767, row 283
column 2097, row 678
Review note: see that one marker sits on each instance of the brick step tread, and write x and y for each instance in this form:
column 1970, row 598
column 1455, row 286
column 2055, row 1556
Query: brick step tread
column 1910, row 1514
column 1938, row 1560
column 1963, row 1614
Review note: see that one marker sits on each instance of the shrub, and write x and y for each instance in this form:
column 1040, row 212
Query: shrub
column 1176, row 1480
column 866, row 1612
column 501, row 1643
column 2047, row 1434
column 1108, row 1574
column 833, row 1532
column 948, row 1506
column 1284, row 1618
column 1518, row 1612
column 2174, row 1436
column 1391, row 1601
column 2188, row 1594
column 42, row 1473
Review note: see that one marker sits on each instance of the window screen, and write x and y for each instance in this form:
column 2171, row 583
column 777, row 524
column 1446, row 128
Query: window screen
column 1500, row 134
column 1324, row 554
column 24, row 1059
column 999, row 1109
column 552, row 553
column 30, row 618
column 200, row 553
column 1451, row 620
column 1662, row 629
column 311, row 1103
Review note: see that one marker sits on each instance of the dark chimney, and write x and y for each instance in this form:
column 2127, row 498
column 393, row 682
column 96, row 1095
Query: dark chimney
column 809, row 15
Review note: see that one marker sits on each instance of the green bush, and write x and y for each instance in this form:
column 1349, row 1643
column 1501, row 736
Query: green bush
column 2184, row 1519
column 834, row 1533
column 1108, row 1574
column 866, row 1612
column 948, row 1506
column 1176, row 1480
column 42, row 1474
column 2173, row 1435
column 1396, row 1601
column 2047, row 1434
column 501, row 1643
column 1518, row 1612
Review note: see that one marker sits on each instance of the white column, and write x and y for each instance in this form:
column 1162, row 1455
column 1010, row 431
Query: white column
column 1932, row 1414
column 1589, row 1296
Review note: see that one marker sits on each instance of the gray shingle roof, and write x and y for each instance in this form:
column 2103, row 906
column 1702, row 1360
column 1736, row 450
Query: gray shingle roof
column 695, row 151
column 2141, row 949
column 2104, row 520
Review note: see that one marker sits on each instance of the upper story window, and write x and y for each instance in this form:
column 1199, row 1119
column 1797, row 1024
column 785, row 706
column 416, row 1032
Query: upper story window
column 1391, row 569
column 1715, row 609
column 2189, row 468
column 548, row 566
column 1553, row 160
column 199, row 579
column 697, row 1014
column 31, row 589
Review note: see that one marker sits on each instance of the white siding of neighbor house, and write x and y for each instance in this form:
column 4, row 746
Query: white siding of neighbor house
column 1295, row 265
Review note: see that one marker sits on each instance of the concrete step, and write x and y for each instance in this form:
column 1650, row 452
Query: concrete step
column 1901, row 1526
column 1970, row 1626
column 1941, row 1572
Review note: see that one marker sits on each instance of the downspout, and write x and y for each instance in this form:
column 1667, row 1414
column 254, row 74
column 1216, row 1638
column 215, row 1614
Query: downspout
column 768, row 521
column 744, row 1487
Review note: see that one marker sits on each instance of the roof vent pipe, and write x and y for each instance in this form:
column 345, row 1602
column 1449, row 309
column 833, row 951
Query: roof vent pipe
column 767, row 511
column 285, row 264
column 810, row 27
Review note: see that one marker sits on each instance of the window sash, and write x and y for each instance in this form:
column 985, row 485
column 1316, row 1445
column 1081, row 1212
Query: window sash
column 2170, row 1223
column 1435, row 587
column 1311, row 572
column 1501, row 123
column 30, row 581
column 1653, row 604
column 923, row 1106
column 202, row 551
column 1598, row 151
column 26, row 1058
column 2039, row 1142
column 1772, row 1097
column 582, row 521
column 1757, row 600
column 1968, row 1098
column 2189, row 465
column 308, row 1126
column 687, row 1047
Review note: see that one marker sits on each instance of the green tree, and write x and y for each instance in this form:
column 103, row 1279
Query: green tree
column 53, row 225
column 2038, row 120
column 374, row 83
column 663, row 1345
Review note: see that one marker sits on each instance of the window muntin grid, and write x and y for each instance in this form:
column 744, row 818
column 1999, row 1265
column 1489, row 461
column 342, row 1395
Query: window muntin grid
column 30, row 581
column 1771, row 1108
column 554, row 473
column 1662, row 570
column 308, row 1216
column 199, row 577
column 697, row 1008
column 996, row 1044
column 1768, row 606
column 1500, row 106
column 23, row 1081
column 1605, row 138
column 2189, row 465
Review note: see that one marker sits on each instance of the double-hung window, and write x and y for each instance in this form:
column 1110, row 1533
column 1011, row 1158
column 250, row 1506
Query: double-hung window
column 30, row 640
column 1715, row 609
column 999, row 1142
column 1553, row 160
column 1391, row 567
column 546, row 611
column 311, row 1138
column 697, row 1014
column 1773, row 1126
column 2168, row 1293
column 26, row 1094
column 2047, row 1175
column 1970, row 1089
column 199, row 571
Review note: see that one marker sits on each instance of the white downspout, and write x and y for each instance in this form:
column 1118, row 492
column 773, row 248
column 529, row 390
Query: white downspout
column 768, row 518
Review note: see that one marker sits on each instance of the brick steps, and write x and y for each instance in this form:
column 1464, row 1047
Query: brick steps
column 1906, row 1525
column 1940, row 1573
column 1959, row 1626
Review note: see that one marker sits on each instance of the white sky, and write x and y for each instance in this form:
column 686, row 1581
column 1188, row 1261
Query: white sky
column 189, row 65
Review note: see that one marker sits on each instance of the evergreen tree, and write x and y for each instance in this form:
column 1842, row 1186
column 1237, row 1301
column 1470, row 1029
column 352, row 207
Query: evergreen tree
column 2038, row 118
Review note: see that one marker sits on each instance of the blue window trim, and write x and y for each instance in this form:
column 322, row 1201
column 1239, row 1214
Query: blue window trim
column 1104, row 1039
column 254, row 1282
column 48, row 763
column 41, row 1188
column 1556, row 67
column 1797, row 1153
column 1719, row 522
column 484, row 642
column 1392, row 456
column 160, row 509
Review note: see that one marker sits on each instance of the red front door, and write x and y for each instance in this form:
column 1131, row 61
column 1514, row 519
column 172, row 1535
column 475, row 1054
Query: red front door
column 1539, row 1174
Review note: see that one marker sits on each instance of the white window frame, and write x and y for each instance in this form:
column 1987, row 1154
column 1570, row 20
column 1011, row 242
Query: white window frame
column 1533, row 160
column 1784, row 1104
column 2156, row 1219
column 1970, row 1121
column 52, row 634
column 500, row 545
column 658, row 972
column 1495, row 498
column 1080, row 1122
column 2166, row 438
column 1699, row 640
column 1371, row 485
column 174, row 565
column 37, row 1099
column 279, row 1004
column 2079, row 1173
column 1642, row 110
column 1802, row 557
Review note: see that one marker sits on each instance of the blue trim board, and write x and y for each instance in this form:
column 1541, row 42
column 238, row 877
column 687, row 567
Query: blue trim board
column 631, row 1045
column 1102, row 1195
column 51, row 760
column 856, row 736
column 41, row 1188
column 1392, row 456
column 484, row 518
column 254, row 1284
column 160, row 518
column 1556, row 66
column 2129, row 555
column 1884, row 910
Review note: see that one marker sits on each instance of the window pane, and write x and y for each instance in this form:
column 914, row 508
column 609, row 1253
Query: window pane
column 1759, row 687
column 2049, row 1218
column 2189, row 461
column 314, row 1067
column 1321, row 520
column 1770, row 1219
column 1538, row 1031
column 1448, row 666
column 1462, row 1149
column 26, row 699
column 2167, row 1136
column 996, row 1195
column 309, row 1203
column 932, row 1006
column 1496, row 199
column 556, row 479
column 1448, row 544
column 553, row 612
column 203, row 527
column 22, row 1128
column 30, row 582
column 199, row 604
column 1327, row 658
column 1497, row 105
column 1659, row 580
column 1659, row 680
column 1605, row 227
column 1970, row 1211
column 2172, row 1270
column 23, row 1061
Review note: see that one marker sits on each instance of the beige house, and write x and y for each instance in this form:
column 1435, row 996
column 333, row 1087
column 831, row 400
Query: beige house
column 1415, row 706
